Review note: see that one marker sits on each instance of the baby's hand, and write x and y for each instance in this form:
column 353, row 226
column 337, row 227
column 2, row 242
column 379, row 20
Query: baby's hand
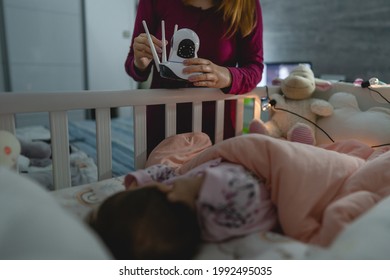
column 130, row 183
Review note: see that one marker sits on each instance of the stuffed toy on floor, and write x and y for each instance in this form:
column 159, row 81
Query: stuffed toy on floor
column 294, row 112
column 37, row 153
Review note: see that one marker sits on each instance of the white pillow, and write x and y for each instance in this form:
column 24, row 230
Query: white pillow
column 35, row 226
column 349, row 122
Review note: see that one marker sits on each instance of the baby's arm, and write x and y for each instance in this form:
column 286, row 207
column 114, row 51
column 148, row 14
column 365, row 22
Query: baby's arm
column 232, row 202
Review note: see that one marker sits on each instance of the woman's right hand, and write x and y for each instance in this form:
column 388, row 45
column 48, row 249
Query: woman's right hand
column 142, row 52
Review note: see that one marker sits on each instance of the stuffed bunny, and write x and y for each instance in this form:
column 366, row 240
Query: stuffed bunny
column 294, row 107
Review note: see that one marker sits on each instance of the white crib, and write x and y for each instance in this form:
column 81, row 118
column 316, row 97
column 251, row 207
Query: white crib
column 59, row 103
column 366, row 242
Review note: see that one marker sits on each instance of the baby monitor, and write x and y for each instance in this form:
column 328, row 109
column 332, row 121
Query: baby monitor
column 184, row 45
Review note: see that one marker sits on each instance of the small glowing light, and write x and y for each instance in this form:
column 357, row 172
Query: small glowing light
column 375, row 82
column 266, row 106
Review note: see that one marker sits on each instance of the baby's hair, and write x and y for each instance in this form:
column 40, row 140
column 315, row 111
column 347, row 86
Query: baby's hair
column 142, row 224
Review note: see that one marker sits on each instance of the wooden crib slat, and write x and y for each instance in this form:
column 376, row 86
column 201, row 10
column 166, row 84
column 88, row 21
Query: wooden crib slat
column 60, row 149
column 239, row 116
column 170, row 119
column 219, row 120
column 103, row 143
column 256, row 108
column 139, row 119
column 7, row 122
column 197, row 116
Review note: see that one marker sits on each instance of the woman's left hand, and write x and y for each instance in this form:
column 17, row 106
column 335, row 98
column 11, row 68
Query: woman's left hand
column 212, row 75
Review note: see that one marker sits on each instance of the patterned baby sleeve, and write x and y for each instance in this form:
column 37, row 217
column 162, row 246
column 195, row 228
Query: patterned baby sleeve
column 229, row 202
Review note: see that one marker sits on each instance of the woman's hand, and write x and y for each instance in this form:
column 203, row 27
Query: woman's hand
column 212, row 75
column 142, row 52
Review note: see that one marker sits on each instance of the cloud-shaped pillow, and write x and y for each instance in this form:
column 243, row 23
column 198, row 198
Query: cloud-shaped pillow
column 349, row 122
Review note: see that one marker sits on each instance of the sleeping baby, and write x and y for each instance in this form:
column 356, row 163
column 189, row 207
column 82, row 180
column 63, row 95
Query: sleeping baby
column 164, row 215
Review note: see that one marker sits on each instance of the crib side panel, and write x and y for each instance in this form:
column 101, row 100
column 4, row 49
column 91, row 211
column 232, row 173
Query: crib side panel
column 59, row 103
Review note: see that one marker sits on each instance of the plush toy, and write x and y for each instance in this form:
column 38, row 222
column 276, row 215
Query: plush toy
column 37, row 153
column 349, row 122
column 9, row 149
column 297, row 89
column 23, row 153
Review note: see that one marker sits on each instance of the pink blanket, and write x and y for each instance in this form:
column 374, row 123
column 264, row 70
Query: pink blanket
column 317, row 191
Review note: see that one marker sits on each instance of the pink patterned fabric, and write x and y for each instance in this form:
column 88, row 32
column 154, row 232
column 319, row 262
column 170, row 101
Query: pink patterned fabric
column 232, row 202
column 317, row 191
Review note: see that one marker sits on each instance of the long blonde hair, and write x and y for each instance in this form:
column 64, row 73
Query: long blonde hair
column 240, row 14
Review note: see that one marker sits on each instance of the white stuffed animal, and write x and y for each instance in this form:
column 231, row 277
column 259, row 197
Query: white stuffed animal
column 9, row 149
column 297, row 88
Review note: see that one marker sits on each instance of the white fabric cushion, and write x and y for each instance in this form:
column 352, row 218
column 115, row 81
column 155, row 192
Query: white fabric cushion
column 35, row 226
column 349, row 122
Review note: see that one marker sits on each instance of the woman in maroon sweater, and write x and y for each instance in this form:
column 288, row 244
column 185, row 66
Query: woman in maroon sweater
column 230, row 55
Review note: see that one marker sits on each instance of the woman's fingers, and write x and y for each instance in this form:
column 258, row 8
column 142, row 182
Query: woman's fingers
column 141, row 47
column 211, row 75
column 142, row 52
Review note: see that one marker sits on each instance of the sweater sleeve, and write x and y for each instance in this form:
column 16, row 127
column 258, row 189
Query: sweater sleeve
column 249, row 70
column 155, row 173
column 232, row 202
column 145, row 12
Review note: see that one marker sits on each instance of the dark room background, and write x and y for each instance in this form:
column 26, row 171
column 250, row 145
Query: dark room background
column 340, row 37
column 63, row 45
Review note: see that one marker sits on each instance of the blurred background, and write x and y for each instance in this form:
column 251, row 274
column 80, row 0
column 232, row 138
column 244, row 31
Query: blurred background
column 56, row 45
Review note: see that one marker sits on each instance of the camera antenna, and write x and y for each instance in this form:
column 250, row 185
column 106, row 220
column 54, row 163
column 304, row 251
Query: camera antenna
column 164, row 48
column 154, row 52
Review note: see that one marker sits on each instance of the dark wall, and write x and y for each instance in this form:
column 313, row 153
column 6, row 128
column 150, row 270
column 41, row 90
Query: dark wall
column 347, row 37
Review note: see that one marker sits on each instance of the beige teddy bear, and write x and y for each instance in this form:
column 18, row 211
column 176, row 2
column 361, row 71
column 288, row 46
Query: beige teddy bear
column 294, row 112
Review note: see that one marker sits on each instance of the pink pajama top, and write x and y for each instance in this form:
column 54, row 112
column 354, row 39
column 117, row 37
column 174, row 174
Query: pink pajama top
column 231, row 202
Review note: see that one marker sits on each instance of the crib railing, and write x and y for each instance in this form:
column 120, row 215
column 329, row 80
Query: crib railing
column 57, row 104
